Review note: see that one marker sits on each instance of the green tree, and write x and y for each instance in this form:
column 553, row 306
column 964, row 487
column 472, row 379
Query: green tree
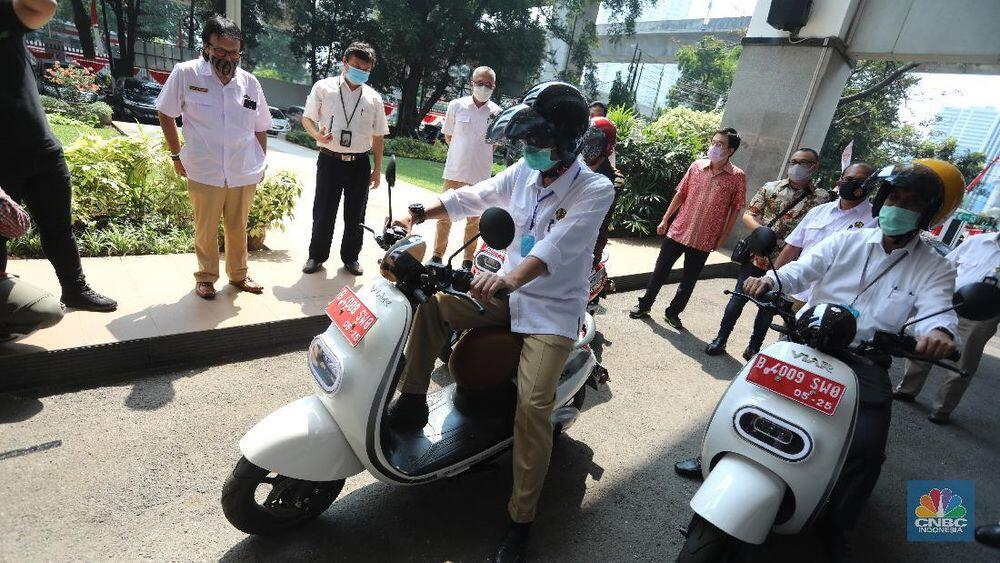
column 620, row 94
column 322, row 29
column 706, row 73
column 969, row 163
column 421, row 43
column 868, row 115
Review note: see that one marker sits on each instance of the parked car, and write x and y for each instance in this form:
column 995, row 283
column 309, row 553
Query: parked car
column 279, row 122
column 135, row 98
column 294, row 114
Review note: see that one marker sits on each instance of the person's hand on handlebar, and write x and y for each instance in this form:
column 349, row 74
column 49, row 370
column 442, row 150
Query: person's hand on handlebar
column 486, row 284
column 756, row 287
column 404, row 220
column 935, row 345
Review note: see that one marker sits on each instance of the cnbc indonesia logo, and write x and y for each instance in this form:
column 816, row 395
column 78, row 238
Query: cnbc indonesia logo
column 940, row 513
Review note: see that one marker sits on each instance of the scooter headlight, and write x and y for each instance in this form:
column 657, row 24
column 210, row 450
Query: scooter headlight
column 325, row 366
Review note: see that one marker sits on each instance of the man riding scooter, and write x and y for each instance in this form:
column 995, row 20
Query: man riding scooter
column 884, row 276
column 558, row 205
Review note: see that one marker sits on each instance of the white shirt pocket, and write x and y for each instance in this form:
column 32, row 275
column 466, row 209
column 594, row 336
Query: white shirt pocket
column 896, row 308
column 201, row 107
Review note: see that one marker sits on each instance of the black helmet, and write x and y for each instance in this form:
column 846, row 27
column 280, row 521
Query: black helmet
column 827, row 327
column 938, row 183
column 550, row 114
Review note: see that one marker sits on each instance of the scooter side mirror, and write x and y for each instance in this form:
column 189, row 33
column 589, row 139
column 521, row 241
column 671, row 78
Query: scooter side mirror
column 763, row 241
column 977, row 301
column 390, row 171
column 496, row 226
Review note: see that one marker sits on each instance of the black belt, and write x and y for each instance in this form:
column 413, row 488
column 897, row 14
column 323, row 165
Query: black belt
column 345, row 156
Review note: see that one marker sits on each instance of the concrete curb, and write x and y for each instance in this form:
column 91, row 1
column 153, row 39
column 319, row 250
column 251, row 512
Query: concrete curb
column 90, row 366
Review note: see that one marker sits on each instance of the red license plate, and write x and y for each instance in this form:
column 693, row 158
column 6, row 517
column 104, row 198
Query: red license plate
column 797, row 384
column 350, row 316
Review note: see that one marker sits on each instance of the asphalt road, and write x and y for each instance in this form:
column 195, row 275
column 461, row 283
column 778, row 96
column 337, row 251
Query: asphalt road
column 138, row 468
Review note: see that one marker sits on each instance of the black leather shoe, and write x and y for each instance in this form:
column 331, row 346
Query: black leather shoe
column 716, row 347
column 690, row 468
column 749, row 353
column 311, row 266
column 514, row 544
column 466, row 264
column 436, row 260
column 88, row 300
column 354, row 268
column 408, row 412
column 904, row 397
column 673, row 320
column 638, row 312
column 989, row 535
column 939, row 417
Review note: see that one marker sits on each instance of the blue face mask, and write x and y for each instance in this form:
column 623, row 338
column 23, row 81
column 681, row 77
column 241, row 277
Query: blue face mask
column 895, row 221
column 538, row 159
column 356, row 75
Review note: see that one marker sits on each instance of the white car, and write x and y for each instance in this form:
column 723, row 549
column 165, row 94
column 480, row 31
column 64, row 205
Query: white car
column 279, row 122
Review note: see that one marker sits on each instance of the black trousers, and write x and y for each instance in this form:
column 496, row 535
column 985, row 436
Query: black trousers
column 735, row 308
column 694, row 262
column 867, row 451
column 43, row 186
column 333, row 178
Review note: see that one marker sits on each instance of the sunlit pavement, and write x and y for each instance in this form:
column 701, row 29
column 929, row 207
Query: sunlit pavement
column 138, row 468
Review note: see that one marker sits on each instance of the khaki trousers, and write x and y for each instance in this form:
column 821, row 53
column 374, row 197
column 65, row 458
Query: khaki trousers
column 542, row 360
column 444, row 227
column 974, row 335
column 25, row 308
column 233, row 205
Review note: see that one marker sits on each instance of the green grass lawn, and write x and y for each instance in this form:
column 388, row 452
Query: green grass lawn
column 423, row 173
column 69, row 133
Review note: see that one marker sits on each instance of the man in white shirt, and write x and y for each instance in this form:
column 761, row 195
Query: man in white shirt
column 347, row 119
column 558, row 205
column 470, row 157
column 226, row 119
column 851, row 211
column 885, row 276
column 977, row 259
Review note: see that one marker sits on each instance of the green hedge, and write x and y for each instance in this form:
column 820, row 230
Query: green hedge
column 300, row 137
column 653, row 157
column 95, row 114
column 415, row 148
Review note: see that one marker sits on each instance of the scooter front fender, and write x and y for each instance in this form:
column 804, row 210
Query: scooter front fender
column 740, row 497
column 301, row 440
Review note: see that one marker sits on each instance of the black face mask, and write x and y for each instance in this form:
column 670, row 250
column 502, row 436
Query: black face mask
column 847, row 189
column 223, row 66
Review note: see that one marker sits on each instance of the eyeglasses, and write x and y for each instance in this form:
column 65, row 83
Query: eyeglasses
column 806, row 162
column 485, row 83
column 223, row 53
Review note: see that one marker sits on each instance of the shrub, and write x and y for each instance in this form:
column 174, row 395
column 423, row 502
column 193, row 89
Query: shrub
column 653, row 158
column 54, row 105
column 275, row 199
column 300, row 137
column 93, row 114
column 415, row 148
column 72, row 81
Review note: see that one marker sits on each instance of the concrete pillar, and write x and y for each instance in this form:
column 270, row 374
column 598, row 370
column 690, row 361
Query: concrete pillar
column 234, row 11
column 558, row 50
column 783, row 97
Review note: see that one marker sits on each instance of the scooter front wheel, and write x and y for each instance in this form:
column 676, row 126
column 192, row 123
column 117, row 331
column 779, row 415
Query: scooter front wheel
column 258, row 502
column 705, row 543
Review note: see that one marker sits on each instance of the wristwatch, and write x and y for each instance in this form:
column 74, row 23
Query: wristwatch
column 417, row 213
column 175, row 157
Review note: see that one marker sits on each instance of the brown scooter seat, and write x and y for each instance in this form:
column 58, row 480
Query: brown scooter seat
column 484, row 364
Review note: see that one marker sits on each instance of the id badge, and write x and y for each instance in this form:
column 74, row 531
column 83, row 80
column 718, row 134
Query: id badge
column 345, row 138
column 527, row 243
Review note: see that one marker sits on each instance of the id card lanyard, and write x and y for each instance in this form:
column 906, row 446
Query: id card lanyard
column 345, row 136
column 864, row 272
column 528, row 240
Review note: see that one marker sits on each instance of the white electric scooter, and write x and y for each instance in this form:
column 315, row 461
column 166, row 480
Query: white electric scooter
column 778, row 438
column 297, row 458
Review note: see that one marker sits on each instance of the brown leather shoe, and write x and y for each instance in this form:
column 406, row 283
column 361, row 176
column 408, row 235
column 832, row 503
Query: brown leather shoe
column 205, row 290
column 248, row 285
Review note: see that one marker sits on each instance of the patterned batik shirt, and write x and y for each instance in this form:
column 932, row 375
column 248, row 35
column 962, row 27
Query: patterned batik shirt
column 772, row 198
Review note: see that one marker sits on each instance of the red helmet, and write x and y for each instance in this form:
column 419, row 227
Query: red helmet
column 599, row 140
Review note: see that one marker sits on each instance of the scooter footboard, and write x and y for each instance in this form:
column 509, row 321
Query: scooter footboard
column 740, row 497
column 301, row 440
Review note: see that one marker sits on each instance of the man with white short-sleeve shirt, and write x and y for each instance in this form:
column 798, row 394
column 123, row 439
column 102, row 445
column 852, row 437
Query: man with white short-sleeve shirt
column 226, row 119
column 851, row 211
column 346, row 117
column 470, row 157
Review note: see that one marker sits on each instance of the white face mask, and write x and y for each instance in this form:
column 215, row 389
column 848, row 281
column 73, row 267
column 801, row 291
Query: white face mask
column 481, row 93
column 799, row 172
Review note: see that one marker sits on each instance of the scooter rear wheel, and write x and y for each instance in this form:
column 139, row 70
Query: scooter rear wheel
column 706, row 543
column 258, row 502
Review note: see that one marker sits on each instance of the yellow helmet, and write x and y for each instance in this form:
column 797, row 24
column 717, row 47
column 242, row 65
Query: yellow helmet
column 938, row 182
